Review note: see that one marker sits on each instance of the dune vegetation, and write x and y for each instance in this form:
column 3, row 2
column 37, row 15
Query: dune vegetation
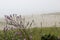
column 23, row 31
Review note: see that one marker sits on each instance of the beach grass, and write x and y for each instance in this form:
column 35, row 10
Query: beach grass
column 36, row 32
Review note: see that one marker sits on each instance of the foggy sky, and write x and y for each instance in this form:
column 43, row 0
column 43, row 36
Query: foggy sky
column 25, row 7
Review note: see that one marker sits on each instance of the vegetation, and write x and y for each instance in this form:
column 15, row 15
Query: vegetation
column 23, row 30
column 36, row 34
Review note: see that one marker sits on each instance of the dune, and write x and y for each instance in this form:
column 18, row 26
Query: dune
column 44, row 20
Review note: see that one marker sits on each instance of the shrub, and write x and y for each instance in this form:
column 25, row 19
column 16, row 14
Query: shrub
column 21, row 26
column 49, row 37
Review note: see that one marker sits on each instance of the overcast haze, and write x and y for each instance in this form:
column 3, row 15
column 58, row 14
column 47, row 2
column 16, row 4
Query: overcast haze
column 25, row 7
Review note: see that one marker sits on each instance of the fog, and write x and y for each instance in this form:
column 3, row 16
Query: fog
column 27, row 7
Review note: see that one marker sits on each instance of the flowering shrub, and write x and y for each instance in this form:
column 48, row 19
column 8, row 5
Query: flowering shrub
column 21, row 26
column 21, row 30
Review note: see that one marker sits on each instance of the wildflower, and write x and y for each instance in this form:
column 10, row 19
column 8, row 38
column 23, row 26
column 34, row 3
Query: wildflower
column 11, row 16
column 24, row 38
column 18, row 22
column 7, row 17
column 30, row 37
column 5, row 29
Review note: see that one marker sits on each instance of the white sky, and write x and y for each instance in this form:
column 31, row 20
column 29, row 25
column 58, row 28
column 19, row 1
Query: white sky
column 28, row 6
